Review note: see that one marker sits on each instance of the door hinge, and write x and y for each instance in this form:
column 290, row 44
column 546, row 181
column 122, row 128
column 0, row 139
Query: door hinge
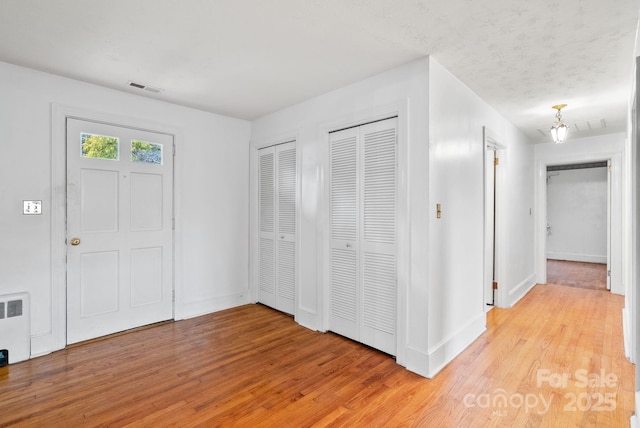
column 173, row 296
column 609, row 273
column 173, row 224
column 495, row 285
column 496, row 162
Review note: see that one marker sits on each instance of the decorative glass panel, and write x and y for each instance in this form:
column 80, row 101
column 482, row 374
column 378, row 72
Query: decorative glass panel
column 141, row 151
column 99, row 146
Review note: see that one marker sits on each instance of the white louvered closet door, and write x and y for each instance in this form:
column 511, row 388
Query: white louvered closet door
column 363, row 234
column 286, row 227
column 343, row 257
column 277, row 212
column 267, row 210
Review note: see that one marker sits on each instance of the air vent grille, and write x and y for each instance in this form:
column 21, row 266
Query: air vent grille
column 589, row 125
column 144, row 87
column 584, row 126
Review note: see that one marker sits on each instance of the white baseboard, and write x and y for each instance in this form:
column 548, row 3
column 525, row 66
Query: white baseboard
column 418, row 362
column 444, row 352
column 634, row 421
column 521, row 290
column 626, row 334
column 572, row 257
column 212, row 304
column 307, row 319
column 42, row 344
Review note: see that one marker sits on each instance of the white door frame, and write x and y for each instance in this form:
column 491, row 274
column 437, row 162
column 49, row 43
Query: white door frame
column 493, row 143
column 616, row 210
column 56, row 338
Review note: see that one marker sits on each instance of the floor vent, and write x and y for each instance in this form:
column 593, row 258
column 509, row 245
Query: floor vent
column 15, row 331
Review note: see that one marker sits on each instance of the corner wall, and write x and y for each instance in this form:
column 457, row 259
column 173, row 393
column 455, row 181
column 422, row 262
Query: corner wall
column 632, row 223
column 456, row 173
column 211, row 195
column 440, row 270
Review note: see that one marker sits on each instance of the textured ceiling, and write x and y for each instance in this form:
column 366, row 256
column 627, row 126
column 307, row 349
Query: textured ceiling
column 247, row 58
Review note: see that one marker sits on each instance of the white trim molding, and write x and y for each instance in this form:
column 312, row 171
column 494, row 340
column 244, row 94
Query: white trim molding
column 445, row 351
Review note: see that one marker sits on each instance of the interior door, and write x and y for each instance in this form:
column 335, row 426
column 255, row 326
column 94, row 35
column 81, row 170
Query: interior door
column 362, row 258
column 378, row 232
column 490, row 220
column 277, row 216
column 119, row 229
column 344, row 207
column 286, row 227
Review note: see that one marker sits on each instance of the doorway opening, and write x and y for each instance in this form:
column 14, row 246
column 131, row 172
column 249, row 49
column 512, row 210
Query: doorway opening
column 578, row 238
column 614, row 201
column 492, row 154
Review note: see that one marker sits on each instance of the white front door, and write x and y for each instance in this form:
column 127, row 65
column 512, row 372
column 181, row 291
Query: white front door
column 119, row 229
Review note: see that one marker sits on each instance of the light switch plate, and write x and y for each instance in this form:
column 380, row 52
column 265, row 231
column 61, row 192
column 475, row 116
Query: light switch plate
column 32, row 207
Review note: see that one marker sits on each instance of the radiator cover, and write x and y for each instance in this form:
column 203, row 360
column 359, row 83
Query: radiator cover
column 15, row 326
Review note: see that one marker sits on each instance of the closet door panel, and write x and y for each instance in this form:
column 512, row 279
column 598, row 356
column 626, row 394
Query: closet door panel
column 379, row 235
column 362, row 258
column 266, row 202
column 343, row 219
column 286, row 227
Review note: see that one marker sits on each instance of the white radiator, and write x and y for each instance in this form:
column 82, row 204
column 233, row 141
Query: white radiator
column 15, row 330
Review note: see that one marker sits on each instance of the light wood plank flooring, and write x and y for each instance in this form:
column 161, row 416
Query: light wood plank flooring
column 251, row 367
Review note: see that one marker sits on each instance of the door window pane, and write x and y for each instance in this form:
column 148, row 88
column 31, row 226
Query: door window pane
column 99, row 146
column 142, row 151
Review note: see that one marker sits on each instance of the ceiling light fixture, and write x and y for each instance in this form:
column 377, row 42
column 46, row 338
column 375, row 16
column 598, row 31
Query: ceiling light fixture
column 559, row 129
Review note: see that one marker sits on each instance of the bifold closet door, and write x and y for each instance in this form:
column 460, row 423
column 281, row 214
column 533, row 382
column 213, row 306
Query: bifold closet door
column 277, row 218
column 362, row 255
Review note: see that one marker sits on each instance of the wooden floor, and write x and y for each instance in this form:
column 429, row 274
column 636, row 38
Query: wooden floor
column 251, row 367
column 577, row 274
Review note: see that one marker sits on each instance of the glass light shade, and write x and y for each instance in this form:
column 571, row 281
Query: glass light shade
column 559, row 133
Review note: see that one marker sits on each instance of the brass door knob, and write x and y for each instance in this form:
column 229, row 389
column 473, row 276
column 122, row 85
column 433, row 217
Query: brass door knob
column 75, row 241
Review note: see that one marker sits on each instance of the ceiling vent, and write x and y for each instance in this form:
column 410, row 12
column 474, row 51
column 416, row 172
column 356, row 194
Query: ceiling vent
column 144, row 87
column 585, row 126
column 590, row 125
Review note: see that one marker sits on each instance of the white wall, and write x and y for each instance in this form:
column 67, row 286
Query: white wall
column 211, row 192
column 456, row 305
column 631, row 226
column 577, row 215
column 579, row 150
